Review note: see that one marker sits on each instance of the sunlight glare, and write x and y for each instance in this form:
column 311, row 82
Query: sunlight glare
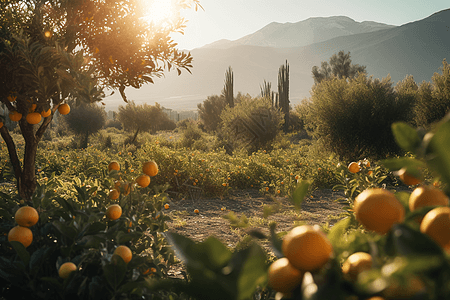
column 159, row 11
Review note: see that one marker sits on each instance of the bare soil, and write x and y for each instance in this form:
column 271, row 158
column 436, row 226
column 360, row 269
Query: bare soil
column 320, row 208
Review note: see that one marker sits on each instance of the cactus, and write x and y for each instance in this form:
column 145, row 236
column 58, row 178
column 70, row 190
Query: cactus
column 228, row 87
column 266, row 92
column 283, row 93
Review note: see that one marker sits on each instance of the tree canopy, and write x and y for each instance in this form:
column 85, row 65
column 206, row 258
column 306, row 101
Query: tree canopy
column 340, row 66
column 52, row 51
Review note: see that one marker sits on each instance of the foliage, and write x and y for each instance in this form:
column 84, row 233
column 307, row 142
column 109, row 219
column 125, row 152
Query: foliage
column 340, row 66
column 84, row 120
column 53, row 51
column 433, row 98
column 209, row 112
column 252, row 124
column 353, row 117
column 146, row 118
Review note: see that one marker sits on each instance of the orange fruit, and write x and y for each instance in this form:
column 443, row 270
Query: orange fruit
column 378, row 209
column 354, row 167
column 143, row 180
column 114, row 211
column 356, row 263
column 283, row 277
column 436, row 224
column 34, row 118
column 150, row 168
column 1, row 124
column 376, row 298
column 407, row 178
column 166, row 206
column 307, row 247
column 124, row 252
column 66, row 268
column 21, row 234
column 26, row 216
column 47, row 113
column 196, row 211
column 114, row 194
column 114, row 165
column 15, row 116
column 427, row 196
column 64, row 109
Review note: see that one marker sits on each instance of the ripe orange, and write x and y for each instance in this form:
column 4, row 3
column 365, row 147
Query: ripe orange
column 378, row 209
column 307, row 247
column 66, row 268
column 47, row 113
column 114, row 165
column 26, row 216
column 150, row 168
column 15, row 116
column 376, row 298
column 166, row 206
column 114, row 194
column 124, row 252
column 34, row 118
column 436, row 224
column 114, row 211
column 143, row 180
column 356, row 263
column 196, row 211
column 1, row 124
column 354, row 167
column 283, row 277
column 407, row 178
column 64, row 109
column 21, row 234
column 427, row 196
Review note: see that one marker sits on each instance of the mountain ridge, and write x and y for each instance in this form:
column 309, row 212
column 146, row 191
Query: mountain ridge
column 415, row 48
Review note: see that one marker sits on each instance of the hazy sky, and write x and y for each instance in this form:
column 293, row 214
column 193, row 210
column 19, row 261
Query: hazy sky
column 233, row 19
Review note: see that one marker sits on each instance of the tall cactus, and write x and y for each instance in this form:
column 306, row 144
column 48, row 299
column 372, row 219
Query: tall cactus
column 228, row 87
column 266, row 92
column 283, row 93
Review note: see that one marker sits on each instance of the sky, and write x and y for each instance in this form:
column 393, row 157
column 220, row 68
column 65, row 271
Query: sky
column 233, row 19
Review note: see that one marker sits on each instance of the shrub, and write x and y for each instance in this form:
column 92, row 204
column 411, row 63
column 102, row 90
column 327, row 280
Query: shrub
column 252, row 124
column 210, row 111
column 353, row 117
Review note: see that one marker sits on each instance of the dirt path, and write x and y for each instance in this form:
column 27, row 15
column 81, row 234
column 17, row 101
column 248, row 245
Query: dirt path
column 319, row 208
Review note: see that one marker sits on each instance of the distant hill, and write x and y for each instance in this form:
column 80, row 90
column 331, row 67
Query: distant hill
column 309, row 31
column 415, row 48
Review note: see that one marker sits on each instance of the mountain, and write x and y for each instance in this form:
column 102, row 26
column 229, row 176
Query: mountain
column 309, row 31
column 415, row 48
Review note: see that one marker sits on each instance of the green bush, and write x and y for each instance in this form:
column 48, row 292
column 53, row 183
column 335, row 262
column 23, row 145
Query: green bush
column 251, row 125
column 353, row 117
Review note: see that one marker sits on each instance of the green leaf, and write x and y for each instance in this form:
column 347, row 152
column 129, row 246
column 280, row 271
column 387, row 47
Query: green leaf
column 300, row 193
column 403, row 162
column 253, row 272
column 337, row 231
column 37, row 259
column 123, row 237
column 276, row 241
column 406, row 136
column 21, row 251
column 404, row 240
column 438, row 155
column 114, row 272
column 66, row 230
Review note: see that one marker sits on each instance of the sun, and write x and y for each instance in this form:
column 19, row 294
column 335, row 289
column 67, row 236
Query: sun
column 159, row 11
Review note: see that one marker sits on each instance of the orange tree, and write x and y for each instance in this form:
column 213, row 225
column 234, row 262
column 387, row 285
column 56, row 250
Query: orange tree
column 53, row 51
